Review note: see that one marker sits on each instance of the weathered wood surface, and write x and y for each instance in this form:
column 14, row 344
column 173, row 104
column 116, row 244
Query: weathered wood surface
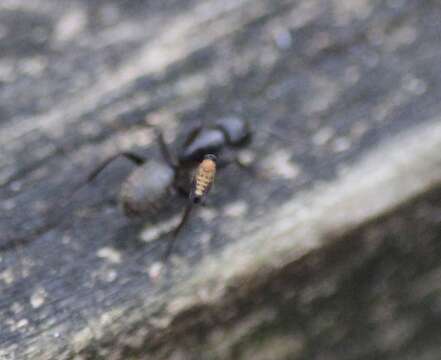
column 338, row 79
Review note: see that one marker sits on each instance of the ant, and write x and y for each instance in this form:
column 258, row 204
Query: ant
column 190, row 173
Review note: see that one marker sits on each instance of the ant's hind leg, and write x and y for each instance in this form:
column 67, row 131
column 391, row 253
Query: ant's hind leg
column 137, row 159
column 62, row 209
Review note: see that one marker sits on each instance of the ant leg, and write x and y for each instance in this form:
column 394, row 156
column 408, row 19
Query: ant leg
column 192, row 134
column 182, row 191
column 165, row 151
column 60, row 211
column 137, row 159
column 251, row 169
column 233, row 158
column 168, row 156
column 222, row 163
column 177, row 230
column 171, row 161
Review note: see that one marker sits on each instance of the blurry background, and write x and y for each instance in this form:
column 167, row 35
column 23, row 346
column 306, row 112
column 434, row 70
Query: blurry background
column 333, row 254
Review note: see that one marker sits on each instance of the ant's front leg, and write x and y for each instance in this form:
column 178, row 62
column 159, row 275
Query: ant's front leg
column 231, row 157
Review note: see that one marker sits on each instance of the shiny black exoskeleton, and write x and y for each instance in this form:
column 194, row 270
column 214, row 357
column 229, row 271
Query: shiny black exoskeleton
column 228, row 133
column 146, row 189
column 151, row 186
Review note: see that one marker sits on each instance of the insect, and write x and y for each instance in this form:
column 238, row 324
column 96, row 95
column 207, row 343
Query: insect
column 190, row 173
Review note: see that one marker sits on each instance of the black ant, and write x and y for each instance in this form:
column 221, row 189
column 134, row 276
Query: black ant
column 190, row 174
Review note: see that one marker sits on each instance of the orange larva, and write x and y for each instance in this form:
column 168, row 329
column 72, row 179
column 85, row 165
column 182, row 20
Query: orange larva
column 203, row 179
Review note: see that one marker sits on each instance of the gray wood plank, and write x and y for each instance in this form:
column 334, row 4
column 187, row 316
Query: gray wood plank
column 78, row 80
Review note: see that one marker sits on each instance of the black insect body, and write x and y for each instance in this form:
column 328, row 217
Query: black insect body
column 151, row 186
column 147, row 188
column 224, row 137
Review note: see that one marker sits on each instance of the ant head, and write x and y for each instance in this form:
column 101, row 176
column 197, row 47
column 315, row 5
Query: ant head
column 210, row 157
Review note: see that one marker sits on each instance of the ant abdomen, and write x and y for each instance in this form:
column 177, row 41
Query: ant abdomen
column 147, row 189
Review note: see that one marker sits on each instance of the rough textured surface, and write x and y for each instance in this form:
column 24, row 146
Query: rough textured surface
column 336, row 79
column 372, row 294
